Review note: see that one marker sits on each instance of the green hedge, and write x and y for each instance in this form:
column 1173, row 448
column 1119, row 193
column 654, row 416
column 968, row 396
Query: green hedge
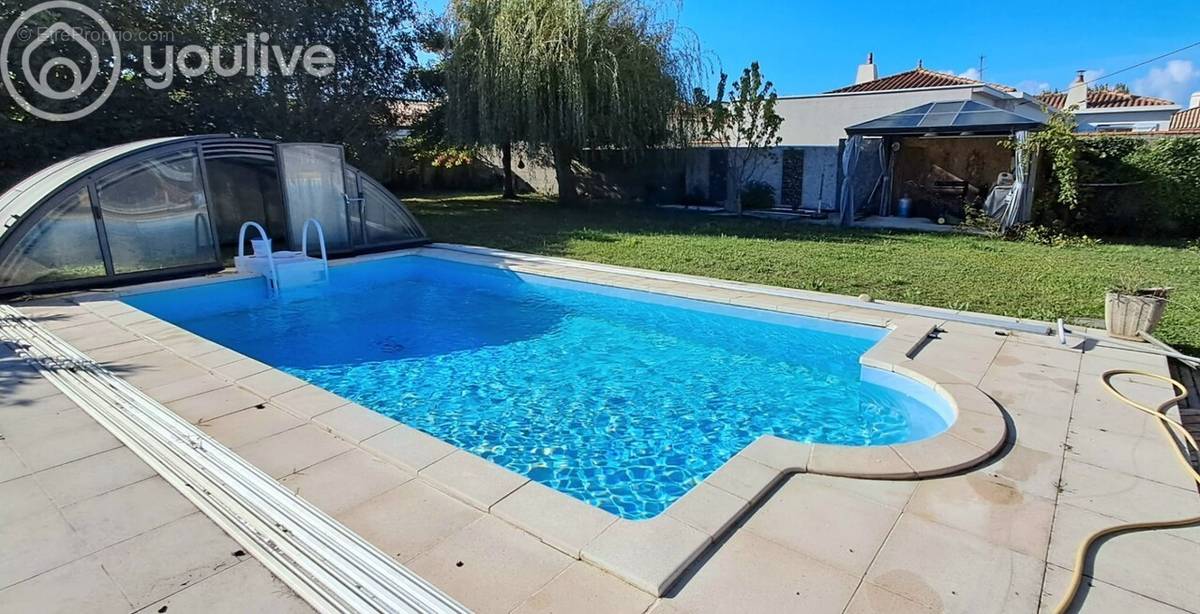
column 1130, row 186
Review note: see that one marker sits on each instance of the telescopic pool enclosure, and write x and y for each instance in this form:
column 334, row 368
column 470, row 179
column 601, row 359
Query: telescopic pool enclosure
column 172, row 207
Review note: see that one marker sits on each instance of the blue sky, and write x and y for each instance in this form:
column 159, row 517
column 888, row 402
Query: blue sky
column 811, row 47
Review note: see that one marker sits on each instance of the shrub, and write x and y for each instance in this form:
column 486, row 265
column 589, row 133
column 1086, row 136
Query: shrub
column 758, row 195
column 1126, row 186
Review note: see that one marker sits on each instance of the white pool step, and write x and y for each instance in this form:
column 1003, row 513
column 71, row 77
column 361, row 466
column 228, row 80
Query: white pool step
column 283, row 270
column 326, row 564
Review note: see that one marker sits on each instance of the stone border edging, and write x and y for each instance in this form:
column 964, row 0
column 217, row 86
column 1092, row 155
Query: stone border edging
column 650, row 554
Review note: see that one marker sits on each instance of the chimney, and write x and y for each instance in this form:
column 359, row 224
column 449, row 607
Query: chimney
column 1195, row 100
column 867, row 72
column 1077, row 95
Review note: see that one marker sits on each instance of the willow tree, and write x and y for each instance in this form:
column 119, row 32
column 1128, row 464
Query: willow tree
column 566, row 76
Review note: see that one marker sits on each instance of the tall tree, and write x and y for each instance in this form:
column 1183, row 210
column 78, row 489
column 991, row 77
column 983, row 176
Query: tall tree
column 565, row 76
column 742, row 119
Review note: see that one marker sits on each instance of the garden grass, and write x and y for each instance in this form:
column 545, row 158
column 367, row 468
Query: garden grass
column 952, row 270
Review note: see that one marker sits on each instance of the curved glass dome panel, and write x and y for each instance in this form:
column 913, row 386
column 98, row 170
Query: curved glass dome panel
column 171, row 207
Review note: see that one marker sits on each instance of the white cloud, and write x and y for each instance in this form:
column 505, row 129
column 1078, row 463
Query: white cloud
column 1030, row 86
column 971, row 73
column 1174, row 81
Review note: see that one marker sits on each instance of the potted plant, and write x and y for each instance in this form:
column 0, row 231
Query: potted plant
column 1131, row 308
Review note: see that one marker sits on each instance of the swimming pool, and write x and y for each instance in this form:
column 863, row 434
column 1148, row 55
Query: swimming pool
column 622, row 399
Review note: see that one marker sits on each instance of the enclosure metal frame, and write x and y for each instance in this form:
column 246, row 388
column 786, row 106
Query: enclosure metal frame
column 105, row 168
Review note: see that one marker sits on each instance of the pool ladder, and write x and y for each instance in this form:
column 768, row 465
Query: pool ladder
column 284, row 269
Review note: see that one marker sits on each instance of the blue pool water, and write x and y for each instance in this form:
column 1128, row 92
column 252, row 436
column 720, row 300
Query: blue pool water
column 622, row 399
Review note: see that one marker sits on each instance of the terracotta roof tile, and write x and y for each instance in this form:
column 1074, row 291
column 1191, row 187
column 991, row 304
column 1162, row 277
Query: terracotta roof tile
column 916, row 78
column 1186, row 121
column 1105, row 100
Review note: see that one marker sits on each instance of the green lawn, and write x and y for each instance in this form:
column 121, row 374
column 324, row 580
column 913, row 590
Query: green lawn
column 956, row 271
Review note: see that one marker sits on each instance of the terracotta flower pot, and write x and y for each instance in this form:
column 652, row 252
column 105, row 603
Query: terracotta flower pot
column 1126, row 315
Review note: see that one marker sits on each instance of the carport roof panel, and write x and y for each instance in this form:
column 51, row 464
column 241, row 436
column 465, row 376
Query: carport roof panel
column 953, row 117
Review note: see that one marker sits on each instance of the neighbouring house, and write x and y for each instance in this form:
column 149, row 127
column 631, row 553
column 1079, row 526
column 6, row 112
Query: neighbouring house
column 929, row 136
column 934, row 139
column 1111, row 110
column 1188, row 120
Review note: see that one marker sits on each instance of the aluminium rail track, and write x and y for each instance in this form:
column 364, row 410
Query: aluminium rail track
column 326, row 564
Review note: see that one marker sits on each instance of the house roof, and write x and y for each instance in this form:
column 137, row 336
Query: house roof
column 1105, row 99
column 1186, row 121
column 917, row 78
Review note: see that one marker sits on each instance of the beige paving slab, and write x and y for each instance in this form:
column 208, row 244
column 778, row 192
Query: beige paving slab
column 1096, row 408
column 293, row 450
column 93, row 475
column 1020, row 354
column 159, row 562
column 892, row 493
column 59, row 319
column 1031, row 388
column 870, row 599
column 96, row 336
column 473, row 479
column 778, row 453
column 1150, row 457
column 79, row 586
column 147, row 371
column 998, row 513
column 490, row 566
column 36, row 544
column 54, row 440
column 561, row 521
column 1032, row 471
column 214, row 404
column 853, row 461
column 249, row 425
column 836, row 527
column 408, row 447
column 270, row 383
column 354, row 422
column 309, row 401
column 1040, row 431
column 943, row 567
column 345, row 480
column 649, row 554
column 185, row 388
column 216, row 358
column 709, row 509
column 245, row 587
column 585, row 589
column 131, row 317
column 1124, row 496
column 11, row 465
column 751, row 574
column 1157, row 564
column 124, row 351
column 1101, row 357
column 22, row 498
column 743, row 477
column 1097, row 597
column 240, row 369
column 408, row 520
column 967, row 356
column 14, row 411
column 119, row 514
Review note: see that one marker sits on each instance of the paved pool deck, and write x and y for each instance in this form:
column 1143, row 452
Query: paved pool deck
column 998, row 536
